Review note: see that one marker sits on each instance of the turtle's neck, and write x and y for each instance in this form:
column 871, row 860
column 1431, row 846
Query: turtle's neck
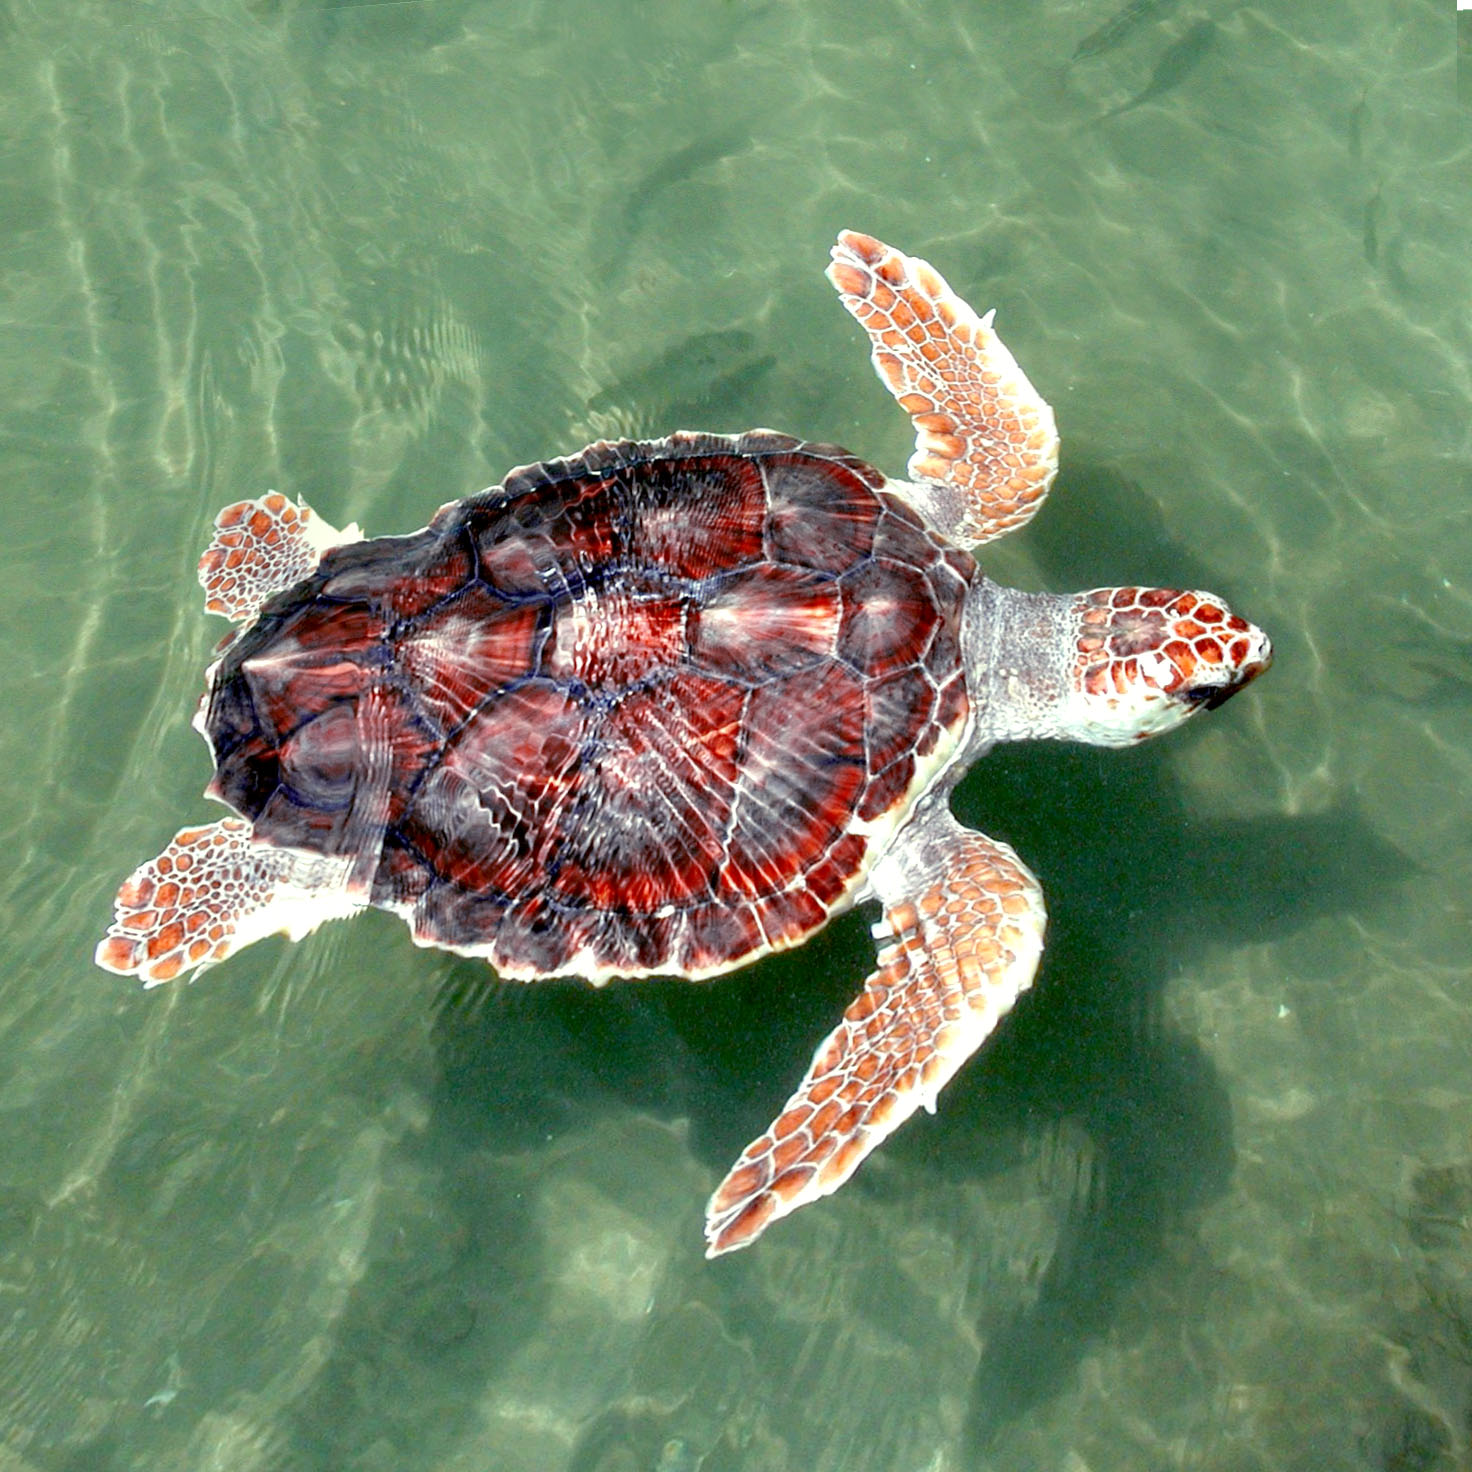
column 1018, row 649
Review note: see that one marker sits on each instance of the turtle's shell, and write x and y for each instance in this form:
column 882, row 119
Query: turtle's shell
column 656, row 707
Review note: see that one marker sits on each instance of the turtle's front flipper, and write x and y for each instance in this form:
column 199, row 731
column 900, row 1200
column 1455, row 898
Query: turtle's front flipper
column 210, row 892
column 986, row 448
column 962, row 935
column 261, row 548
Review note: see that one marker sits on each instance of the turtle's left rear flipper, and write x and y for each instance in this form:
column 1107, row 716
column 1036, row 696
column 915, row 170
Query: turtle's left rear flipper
column 210, row 892
column 963, row 932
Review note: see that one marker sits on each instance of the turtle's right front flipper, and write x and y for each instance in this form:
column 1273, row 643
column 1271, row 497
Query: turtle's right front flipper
column 963, row 932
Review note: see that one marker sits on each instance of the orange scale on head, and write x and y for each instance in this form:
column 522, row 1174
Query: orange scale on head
column 1181, row 656
column 1123, row 597
column 1210, row 613
column 1239, row 650
column 1209, row 650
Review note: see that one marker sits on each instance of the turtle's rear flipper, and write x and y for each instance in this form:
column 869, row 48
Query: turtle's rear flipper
column 261, row 548
column 962, row 935
column 986, row 448
column 210, row 892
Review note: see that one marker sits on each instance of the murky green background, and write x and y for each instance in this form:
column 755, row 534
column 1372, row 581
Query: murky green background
column 1207, row 1201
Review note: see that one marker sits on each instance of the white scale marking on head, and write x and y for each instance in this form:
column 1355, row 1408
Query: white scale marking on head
column 1155, row 665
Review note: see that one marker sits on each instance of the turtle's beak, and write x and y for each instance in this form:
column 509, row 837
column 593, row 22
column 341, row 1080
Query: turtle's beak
column 1230, row 677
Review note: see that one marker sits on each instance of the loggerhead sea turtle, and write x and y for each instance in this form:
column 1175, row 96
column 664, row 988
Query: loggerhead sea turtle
column 666, row 706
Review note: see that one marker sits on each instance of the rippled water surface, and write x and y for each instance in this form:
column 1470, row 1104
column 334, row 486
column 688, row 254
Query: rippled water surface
column 1207, row 1201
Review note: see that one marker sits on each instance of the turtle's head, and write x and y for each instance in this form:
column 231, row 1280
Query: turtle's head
column 1144, row 659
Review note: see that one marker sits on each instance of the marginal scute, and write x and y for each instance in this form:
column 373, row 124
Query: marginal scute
column 652, row 707
column 888, row 789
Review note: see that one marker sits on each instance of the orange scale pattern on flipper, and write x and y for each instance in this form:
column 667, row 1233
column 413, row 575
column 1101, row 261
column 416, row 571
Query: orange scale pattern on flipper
column 180, row 911
column 980, row 426
column 956, row 958
column 259, row 547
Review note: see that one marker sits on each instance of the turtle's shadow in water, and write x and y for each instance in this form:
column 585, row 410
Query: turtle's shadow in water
column 1136, row 886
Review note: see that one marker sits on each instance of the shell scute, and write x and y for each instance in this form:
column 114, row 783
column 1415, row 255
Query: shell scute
column 888, row 788
column 822, row 514
column 898, row 709
column 802, row 768
column 889, row 616
column 466, row 650
column 728, row 532
column 644, row 708
column 767, row 621
column 651, row 828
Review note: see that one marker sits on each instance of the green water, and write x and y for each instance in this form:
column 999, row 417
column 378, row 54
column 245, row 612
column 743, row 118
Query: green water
column 1207, row 1201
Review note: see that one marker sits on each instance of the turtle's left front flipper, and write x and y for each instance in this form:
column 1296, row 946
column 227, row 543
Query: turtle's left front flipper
column 261, row 548
column 963, row 932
